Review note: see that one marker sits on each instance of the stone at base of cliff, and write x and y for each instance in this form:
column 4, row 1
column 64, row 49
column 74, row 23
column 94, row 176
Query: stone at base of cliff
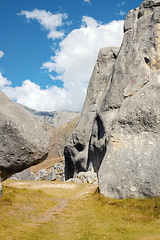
column 24, row 175
column 51, row 176
column 76, row 180
column 87, row 177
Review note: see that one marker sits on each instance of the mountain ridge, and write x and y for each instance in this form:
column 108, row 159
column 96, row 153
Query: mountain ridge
column 53, row 118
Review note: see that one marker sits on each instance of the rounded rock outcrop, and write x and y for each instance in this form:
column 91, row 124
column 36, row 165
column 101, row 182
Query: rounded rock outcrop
column 23, row 142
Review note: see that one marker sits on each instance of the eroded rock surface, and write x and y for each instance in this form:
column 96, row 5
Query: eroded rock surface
column 23, row 142
column 123, row 136
column 78, row 148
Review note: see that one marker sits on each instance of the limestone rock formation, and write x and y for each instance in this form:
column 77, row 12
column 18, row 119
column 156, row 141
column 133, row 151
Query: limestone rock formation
column 23, row 142
column 124, row 134
column 78, row 146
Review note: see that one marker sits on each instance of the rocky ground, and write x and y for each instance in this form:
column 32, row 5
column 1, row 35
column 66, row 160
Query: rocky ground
column 56, row 172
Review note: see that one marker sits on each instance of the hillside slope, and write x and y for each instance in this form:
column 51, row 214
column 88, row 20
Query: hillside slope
column 54, row 118
column 58, row 137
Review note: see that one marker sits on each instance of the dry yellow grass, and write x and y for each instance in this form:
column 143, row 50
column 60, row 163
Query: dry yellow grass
column 35, row 210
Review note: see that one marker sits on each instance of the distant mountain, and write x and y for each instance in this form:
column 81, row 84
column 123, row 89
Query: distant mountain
column 54, row 118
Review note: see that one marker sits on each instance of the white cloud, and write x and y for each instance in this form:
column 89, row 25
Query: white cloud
column 1, row 54
column 87, row 1
column 78, row 52
column 73, row 62
column 121, row 13
column 31, row 95
column 49, row 21
column 121, row 4
column 56, row 78
column 4, row 81
column 51, row 77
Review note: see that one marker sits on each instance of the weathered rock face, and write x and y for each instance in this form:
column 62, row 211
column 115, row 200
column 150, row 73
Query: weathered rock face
column 78, row 145
column 23, row 142
column 129, row 113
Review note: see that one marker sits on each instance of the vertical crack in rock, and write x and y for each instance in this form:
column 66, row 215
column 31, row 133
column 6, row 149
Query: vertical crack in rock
column 97, row 145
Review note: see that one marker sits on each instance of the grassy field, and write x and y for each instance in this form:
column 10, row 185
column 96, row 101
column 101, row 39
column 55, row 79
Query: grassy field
column 36, row 210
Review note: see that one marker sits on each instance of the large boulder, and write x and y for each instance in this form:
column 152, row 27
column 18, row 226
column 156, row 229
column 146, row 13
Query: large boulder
column 23, row 142
column 125, row 134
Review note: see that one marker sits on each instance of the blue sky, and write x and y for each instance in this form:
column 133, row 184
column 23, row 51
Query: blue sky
column 48, row 48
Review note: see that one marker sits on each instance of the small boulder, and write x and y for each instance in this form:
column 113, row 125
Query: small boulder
column 24, row 175
column 52, row 176
column 76, row 180
column 54, row 170
column 42, row 173
column 62, row 172
column 63, row 178
column 87, row 177
column 59, row 166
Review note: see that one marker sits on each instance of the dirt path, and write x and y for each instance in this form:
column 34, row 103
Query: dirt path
column 63, row 193
column 52, row 212
column 79, row 189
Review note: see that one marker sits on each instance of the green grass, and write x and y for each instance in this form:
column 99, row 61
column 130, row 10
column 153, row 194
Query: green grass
column 29, row 214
